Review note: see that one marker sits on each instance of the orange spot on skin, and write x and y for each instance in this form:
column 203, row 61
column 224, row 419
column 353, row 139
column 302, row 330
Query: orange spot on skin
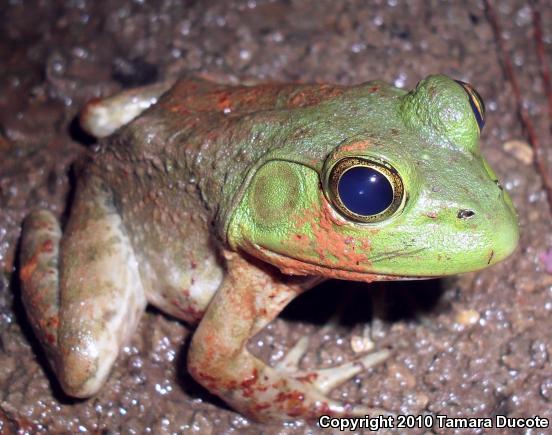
column 330, row 242
column 47, row 246
column 354, row 147
column 28, row 269
column 431, row 214
column 224, row 102
column 313, row 95
column 291, row 266
column 308, row 378
column 53, row 322
column 186, row 307
column 324, row 409
column 175, row 109
column 292, row 402
column 247, row 385
column 257, row 408
column 202, row 377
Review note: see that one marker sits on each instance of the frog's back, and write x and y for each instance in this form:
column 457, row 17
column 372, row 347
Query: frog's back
column 195, row 95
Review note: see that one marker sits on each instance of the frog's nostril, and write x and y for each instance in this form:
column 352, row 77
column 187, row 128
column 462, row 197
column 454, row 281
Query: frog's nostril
column 465, row 214
column 499, row 185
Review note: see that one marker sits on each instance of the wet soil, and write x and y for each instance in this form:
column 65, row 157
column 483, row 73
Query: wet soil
column 476, row 345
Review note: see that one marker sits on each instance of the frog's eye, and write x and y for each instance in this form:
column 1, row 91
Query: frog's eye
column 476, row 103
column 365, row 190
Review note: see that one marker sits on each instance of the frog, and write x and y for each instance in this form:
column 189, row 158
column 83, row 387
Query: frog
column 220, row 203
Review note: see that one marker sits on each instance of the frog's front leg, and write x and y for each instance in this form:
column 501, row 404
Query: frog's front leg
column 85, row 303
column 251, row 296
column 101, row 117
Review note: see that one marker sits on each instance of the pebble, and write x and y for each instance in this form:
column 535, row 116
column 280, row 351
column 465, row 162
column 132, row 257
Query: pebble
column 519, row 149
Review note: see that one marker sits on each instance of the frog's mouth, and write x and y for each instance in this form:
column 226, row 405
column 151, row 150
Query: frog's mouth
column 292, row 266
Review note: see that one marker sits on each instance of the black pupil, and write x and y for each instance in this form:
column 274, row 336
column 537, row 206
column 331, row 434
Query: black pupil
column 365, row 191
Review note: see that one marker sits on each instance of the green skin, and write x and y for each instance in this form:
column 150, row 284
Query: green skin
column 214, row 205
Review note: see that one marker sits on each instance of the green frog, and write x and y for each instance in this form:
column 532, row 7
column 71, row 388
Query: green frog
column 219, row 204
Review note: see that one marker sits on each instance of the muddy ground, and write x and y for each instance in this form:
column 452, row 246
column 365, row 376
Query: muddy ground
column 477, row 345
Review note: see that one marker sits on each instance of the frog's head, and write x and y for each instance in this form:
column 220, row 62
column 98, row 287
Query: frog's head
column 407, row 194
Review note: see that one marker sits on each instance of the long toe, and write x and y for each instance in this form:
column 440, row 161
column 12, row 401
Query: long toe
column 327, row 379
column 290, row 363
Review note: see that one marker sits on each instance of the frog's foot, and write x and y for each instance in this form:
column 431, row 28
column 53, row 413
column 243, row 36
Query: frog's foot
column 219, row 359
column 41, row 237
column 325, row 380
column 101, row 117
column 84, row 304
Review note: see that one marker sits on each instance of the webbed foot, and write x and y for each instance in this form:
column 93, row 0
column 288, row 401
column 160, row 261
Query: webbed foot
column 325, row 380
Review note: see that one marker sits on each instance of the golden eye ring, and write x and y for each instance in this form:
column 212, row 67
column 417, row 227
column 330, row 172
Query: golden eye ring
column 364, row 190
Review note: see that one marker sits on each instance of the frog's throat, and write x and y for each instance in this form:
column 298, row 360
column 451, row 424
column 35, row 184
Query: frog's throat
column 292, row 266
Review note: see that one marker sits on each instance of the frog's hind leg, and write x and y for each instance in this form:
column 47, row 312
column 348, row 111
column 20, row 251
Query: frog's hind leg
column 101, row 117
column 250, row 297
column 83, row 296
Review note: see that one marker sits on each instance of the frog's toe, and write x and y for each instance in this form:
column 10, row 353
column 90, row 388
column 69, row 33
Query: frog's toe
column 325, row 380
column 290, row 363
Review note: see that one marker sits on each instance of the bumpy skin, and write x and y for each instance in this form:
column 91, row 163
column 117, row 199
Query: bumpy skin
column 213, row 205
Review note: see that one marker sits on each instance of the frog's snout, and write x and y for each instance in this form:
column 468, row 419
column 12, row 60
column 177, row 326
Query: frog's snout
column 496, row 228
column 505, row 236
column 466, row 230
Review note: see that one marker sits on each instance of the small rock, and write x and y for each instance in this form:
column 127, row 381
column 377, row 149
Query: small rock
column 521, row 150
column 467, row 317
column 361, row 344
column 417, row 401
